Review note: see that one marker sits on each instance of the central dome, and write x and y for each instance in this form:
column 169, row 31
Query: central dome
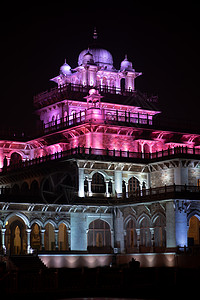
column 102, row 57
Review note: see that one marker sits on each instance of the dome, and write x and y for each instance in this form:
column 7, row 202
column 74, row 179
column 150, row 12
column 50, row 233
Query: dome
column 102, row 57
column 88, row 58
column 126, row 65
column 65, row 69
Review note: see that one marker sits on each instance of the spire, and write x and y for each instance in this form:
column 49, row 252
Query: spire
column 95, row 36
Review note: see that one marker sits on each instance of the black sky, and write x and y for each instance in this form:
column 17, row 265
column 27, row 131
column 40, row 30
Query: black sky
column 161, row 41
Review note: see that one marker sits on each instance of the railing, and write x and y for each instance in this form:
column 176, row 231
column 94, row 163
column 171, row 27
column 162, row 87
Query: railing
column 108, row 116
column 83, row 152
column 140, row 195
column 58, row 92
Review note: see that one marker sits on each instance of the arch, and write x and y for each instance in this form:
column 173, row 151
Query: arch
column 37, row 221
column 195, row 213
column 34, row 188
column 131, row 234
column 142, row 216
column 157, row 215
column 98, row 183
column 159, row 222
column 50, row 221
column 19, row 215
column 63, row 243
column 145, row 234
column 16, row 235
column 194, row 231
column 66, row 223
column 35, row 237
column 103, row 173
column 99, row 236
column 122, row 84
column 133, row 185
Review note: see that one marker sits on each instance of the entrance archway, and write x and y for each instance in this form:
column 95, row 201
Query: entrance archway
column 35, row 237
column 16, row 237
column 194, row 231
column 99, row 236
column 63, row 244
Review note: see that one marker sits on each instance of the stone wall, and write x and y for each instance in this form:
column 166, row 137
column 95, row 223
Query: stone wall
column 162, row 177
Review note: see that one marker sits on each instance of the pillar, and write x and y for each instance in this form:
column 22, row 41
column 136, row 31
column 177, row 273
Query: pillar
column 81, row 192
column 119, row 230
column 181, row 175
column 78, row 232
column 152, row 238
column 170, row 225
column 107, row 193
column 181, row 223
column 118, row 183
column 28, row 232
column 56, row 231
column 89, row 187
column 42, row 237
column 3, row 231
column 138, row 238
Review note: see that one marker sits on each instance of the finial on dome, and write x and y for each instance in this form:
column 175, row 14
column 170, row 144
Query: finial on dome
column 95, row 36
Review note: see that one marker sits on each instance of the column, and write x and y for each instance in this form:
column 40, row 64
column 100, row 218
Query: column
column 69, row 238
column 107, row 193
column 89, row 187
column 170, row 225
column 119, row 230
column 3, row 231
column 42, row 237
column 78, row 231
column 118, row 183
column 181, row 175
column 181, row 223
column 56, row 231
column 138, row 239
column 81, row 192
column 152, row 238
column 28, row 232
column 126, row 185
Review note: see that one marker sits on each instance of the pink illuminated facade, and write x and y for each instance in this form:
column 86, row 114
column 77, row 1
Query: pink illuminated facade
column 100, row 175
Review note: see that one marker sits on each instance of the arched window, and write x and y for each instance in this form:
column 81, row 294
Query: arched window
column 145, row 235
column 133, row 185
column 99, row 234
column 131, row 235
column 122, row 84
column 159, row 232
column 98, row 184
column 35, row 237
column 194, row 231
column 15, row 158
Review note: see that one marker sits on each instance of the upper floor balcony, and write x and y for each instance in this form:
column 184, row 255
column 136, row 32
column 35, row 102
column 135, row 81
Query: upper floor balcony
column 108, row 116
column 78, row 91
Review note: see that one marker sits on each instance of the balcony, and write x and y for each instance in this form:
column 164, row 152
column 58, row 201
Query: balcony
column 78, row 91
column 106, row 155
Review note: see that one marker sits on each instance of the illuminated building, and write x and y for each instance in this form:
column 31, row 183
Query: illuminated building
column 100, row 175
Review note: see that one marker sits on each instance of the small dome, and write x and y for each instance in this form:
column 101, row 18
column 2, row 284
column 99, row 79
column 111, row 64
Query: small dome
column 65, row 69
column 101, row 57
column 88, row 58
column 126, row 65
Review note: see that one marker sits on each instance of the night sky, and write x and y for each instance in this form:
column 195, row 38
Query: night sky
column 161, row 41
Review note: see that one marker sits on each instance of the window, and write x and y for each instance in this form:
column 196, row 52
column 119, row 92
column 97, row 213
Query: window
column 99, row 234
column 133, row 185
column 98, row 184
column 131, row 236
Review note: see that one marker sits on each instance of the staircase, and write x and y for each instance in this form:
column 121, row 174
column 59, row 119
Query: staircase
column 28, row 263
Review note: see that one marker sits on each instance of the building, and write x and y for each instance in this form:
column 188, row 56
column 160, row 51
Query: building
column 101, row 175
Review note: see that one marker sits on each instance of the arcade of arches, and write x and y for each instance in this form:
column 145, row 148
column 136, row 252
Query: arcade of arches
column 141, row 235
